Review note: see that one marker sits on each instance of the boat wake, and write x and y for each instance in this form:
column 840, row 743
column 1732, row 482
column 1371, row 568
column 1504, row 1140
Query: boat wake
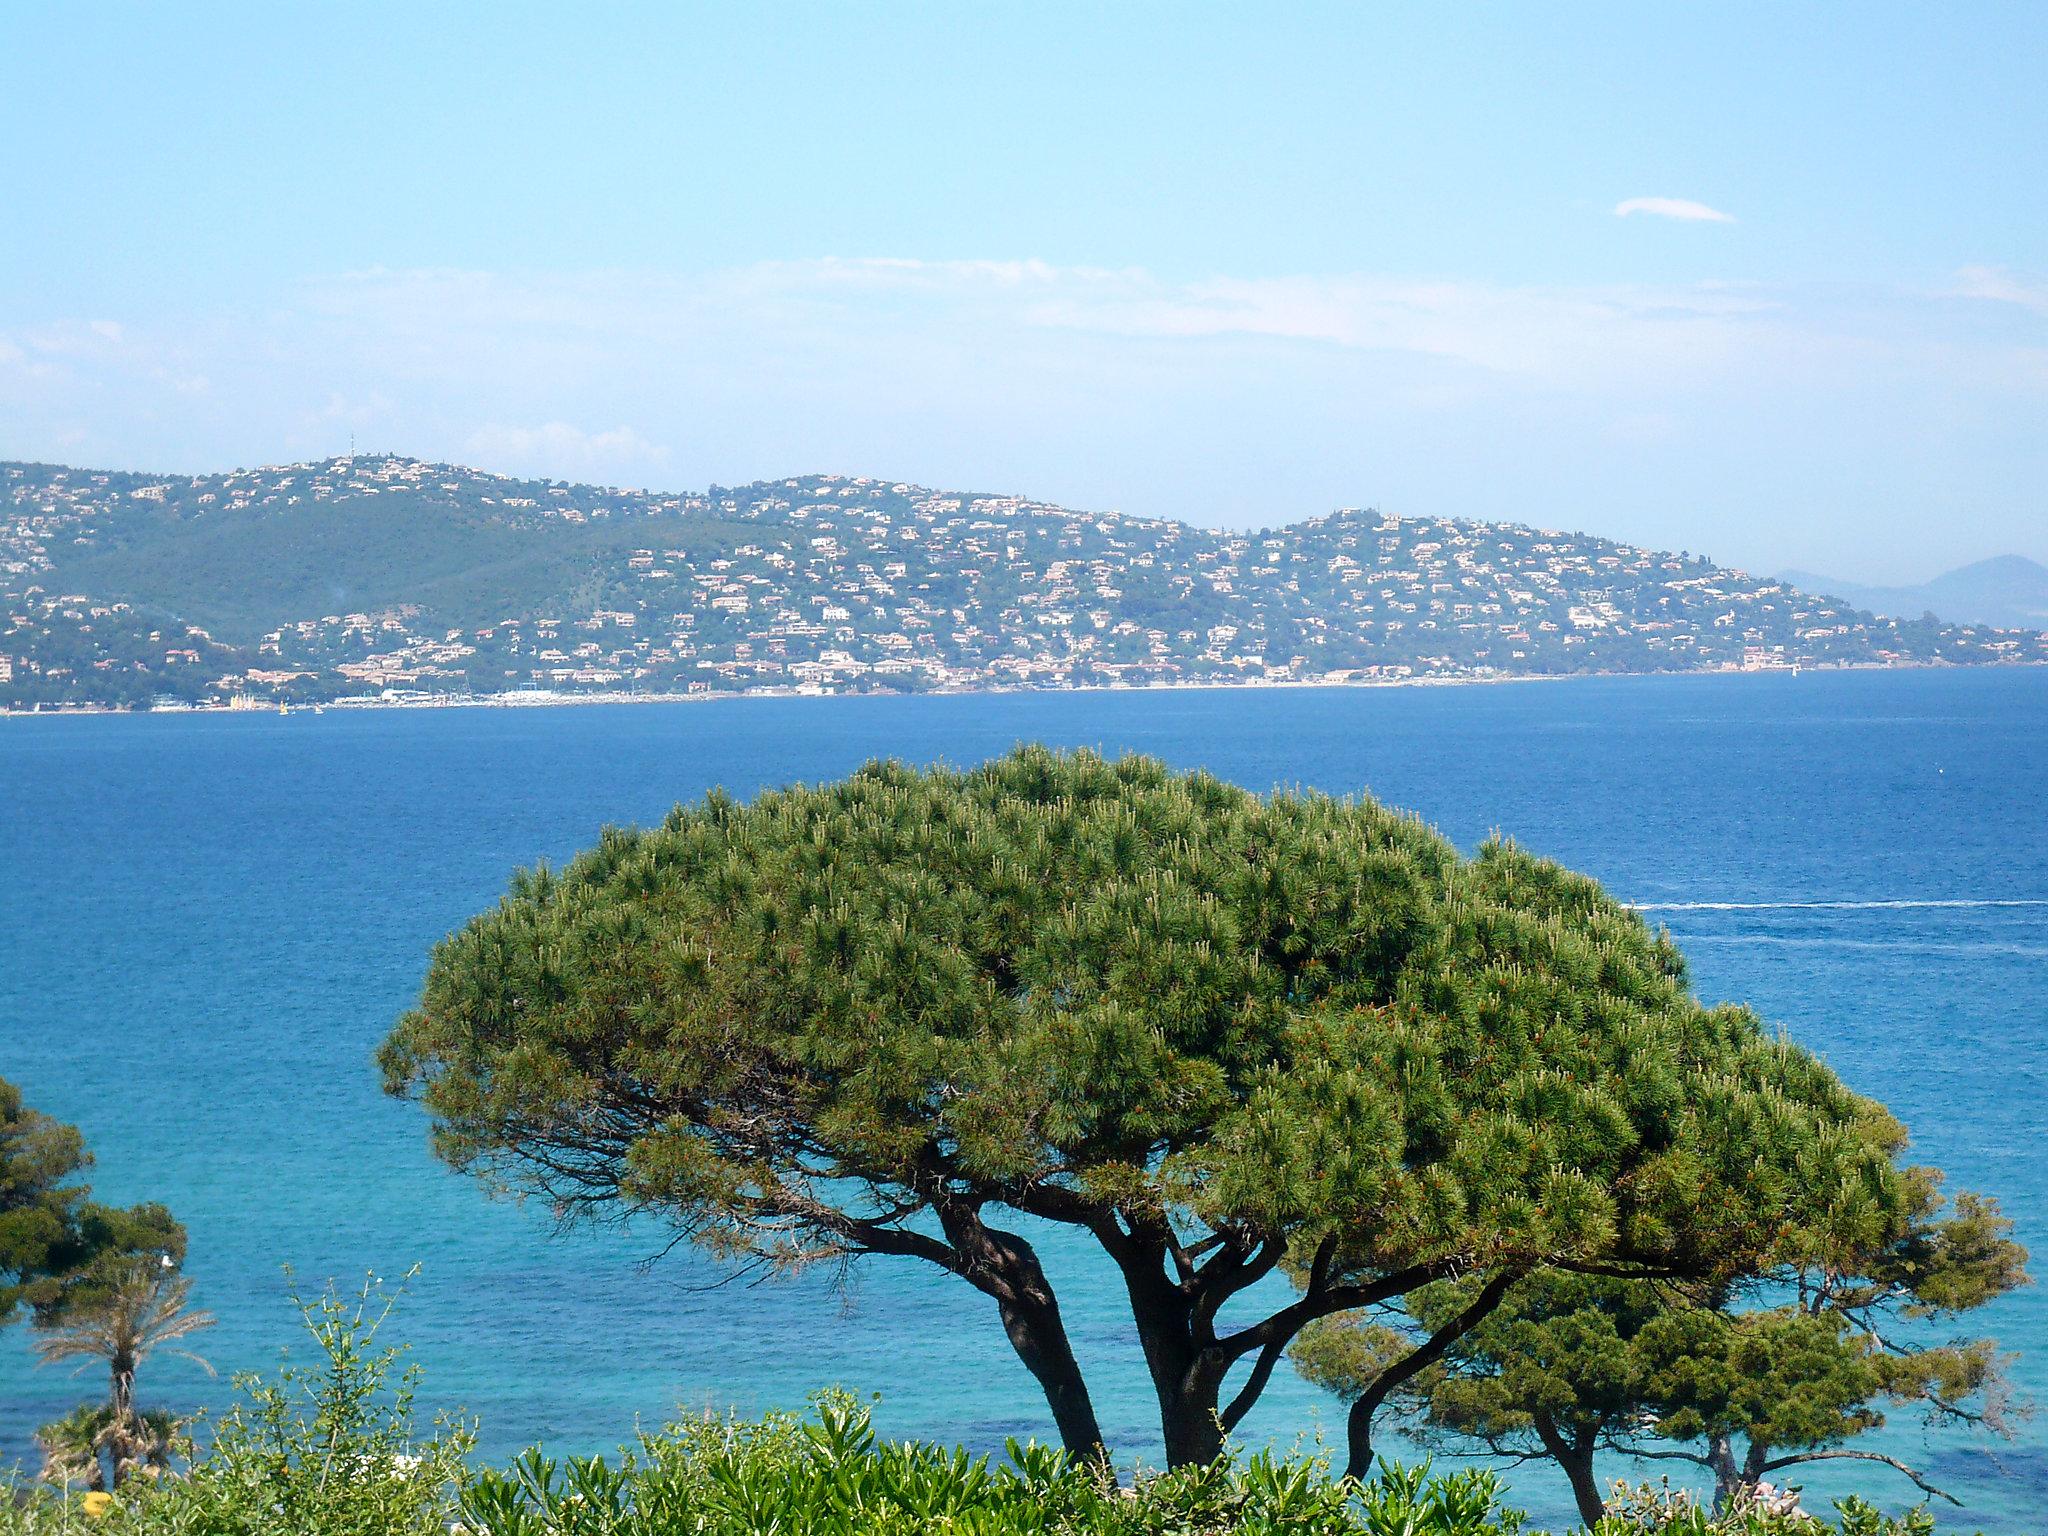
column 1840, row 906
column 1834, row 943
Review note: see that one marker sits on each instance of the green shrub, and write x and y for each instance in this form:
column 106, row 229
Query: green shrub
column 828, row 1475
column 1659, row 1510
column 332, row 1448
column 324, row 1449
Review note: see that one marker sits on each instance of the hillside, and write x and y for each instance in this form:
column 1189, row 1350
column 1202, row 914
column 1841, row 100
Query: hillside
column 368, row 575
column 2009, row 590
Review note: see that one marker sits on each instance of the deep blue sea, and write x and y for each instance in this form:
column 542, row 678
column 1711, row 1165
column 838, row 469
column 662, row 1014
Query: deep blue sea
column 208, row 922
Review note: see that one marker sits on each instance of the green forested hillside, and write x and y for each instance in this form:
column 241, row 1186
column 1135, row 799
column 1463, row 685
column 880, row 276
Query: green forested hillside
column 241, row 577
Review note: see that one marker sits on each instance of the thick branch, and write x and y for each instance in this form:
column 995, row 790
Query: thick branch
column 1232, row 1270
column 901, row 1242
column 1055, row 1202
column 1290, row 1320
column 1262, row 1372
column 1413, row 1364
column 1692, row 1456
column 1891, row 1461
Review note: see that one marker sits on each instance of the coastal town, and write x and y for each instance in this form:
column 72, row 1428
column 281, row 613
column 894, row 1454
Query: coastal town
column 390, row 579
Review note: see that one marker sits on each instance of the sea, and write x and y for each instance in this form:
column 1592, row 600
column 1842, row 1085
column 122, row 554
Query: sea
column 208, row 922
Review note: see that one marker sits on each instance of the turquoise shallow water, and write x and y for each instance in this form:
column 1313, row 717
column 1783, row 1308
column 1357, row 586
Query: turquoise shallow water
column 208, row 922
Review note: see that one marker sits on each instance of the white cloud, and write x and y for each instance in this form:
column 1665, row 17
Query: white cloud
column 353, row 410
column 1683, row 209
column 1558, row 336
column 862, row 315
column 76, row 338
column 559, row 449
column 2001, row 287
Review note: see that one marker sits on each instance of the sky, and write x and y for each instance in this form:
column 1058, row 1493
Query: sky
column 1765, row 282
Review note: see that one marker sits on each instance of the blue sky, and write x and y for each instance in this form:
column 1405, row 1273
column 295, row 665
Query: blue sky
column 1238, row 265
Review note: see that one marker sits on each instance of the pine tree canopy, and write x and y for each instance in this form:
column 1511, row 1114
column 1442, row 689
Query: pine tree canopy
column 1223, row 1033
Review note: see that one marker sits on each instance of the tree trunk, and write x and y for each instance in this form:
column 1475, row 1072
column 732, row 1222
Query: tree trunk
column 121, row 1429
column 1187, row 1383
column 1358, row 1438
column 1192, row 1426
column 1575, row 1456
column 1187, row 1379
column 1005, row 1266
column 1728, row 1479
column 1585, row 1487
column 1039, row 1336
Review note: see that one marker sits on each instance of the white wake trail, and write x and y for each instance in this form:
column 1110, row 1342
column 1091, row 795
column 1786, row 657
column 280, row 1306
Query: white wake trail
column 1903, row 905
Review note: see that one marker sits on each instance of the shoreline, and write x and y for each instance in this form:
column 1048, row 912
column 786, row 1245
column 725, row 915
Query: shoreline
column 544, row 699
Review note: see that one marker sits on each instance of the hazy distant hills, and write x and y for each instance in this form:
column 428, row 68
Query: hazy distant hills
column 2006, row 590
column 381, row 575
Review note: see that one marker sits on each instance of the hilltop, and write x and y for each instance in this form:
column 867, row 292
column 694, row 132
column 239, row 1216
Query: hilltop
column 386, row 575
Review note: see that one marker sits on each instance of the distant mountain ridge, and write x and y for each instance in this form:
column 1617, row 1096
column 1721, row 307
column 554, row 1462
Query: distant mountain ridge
column 2010, row 591
column 388, row 576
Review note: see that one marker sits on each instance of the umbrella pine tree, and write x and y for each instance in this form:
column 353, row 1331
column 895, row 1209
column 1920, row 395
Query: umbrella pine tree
column 1223, row 1036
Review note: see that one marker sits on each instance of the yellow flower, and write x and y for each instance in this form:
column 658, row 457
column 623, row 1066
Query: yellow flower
column 97, row 1504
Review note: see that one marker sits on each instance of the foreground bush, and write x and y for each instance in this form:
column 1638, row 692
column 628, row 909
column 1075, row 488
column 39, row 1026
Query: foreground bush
column 827, row 1474
column 823, row 1474
column 326, row 1448
column 333, row 1448
column 1659, row 1510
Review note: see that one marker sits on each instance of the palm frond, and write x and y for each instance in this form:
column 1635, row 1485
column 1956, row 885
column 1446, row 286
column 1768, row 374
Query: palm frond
column 145, row 1309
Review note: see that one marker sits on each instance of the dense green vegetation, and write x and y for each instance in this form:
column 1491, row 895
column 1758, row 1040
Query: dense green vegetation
column 335, row 1447
column 1224, row 1037
column 64, row 652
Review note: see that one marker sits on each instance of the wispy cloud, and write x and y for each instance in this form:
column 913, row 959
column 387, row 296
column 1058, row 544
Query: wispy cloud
column 2001, row 287
column 1561, row 337
column 873, row 314
column 560, row 449
column 1684, row 209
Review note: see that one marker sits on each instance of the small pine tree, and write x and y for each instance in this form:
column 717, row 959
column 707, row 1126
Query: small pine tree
column 1746, row 1380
